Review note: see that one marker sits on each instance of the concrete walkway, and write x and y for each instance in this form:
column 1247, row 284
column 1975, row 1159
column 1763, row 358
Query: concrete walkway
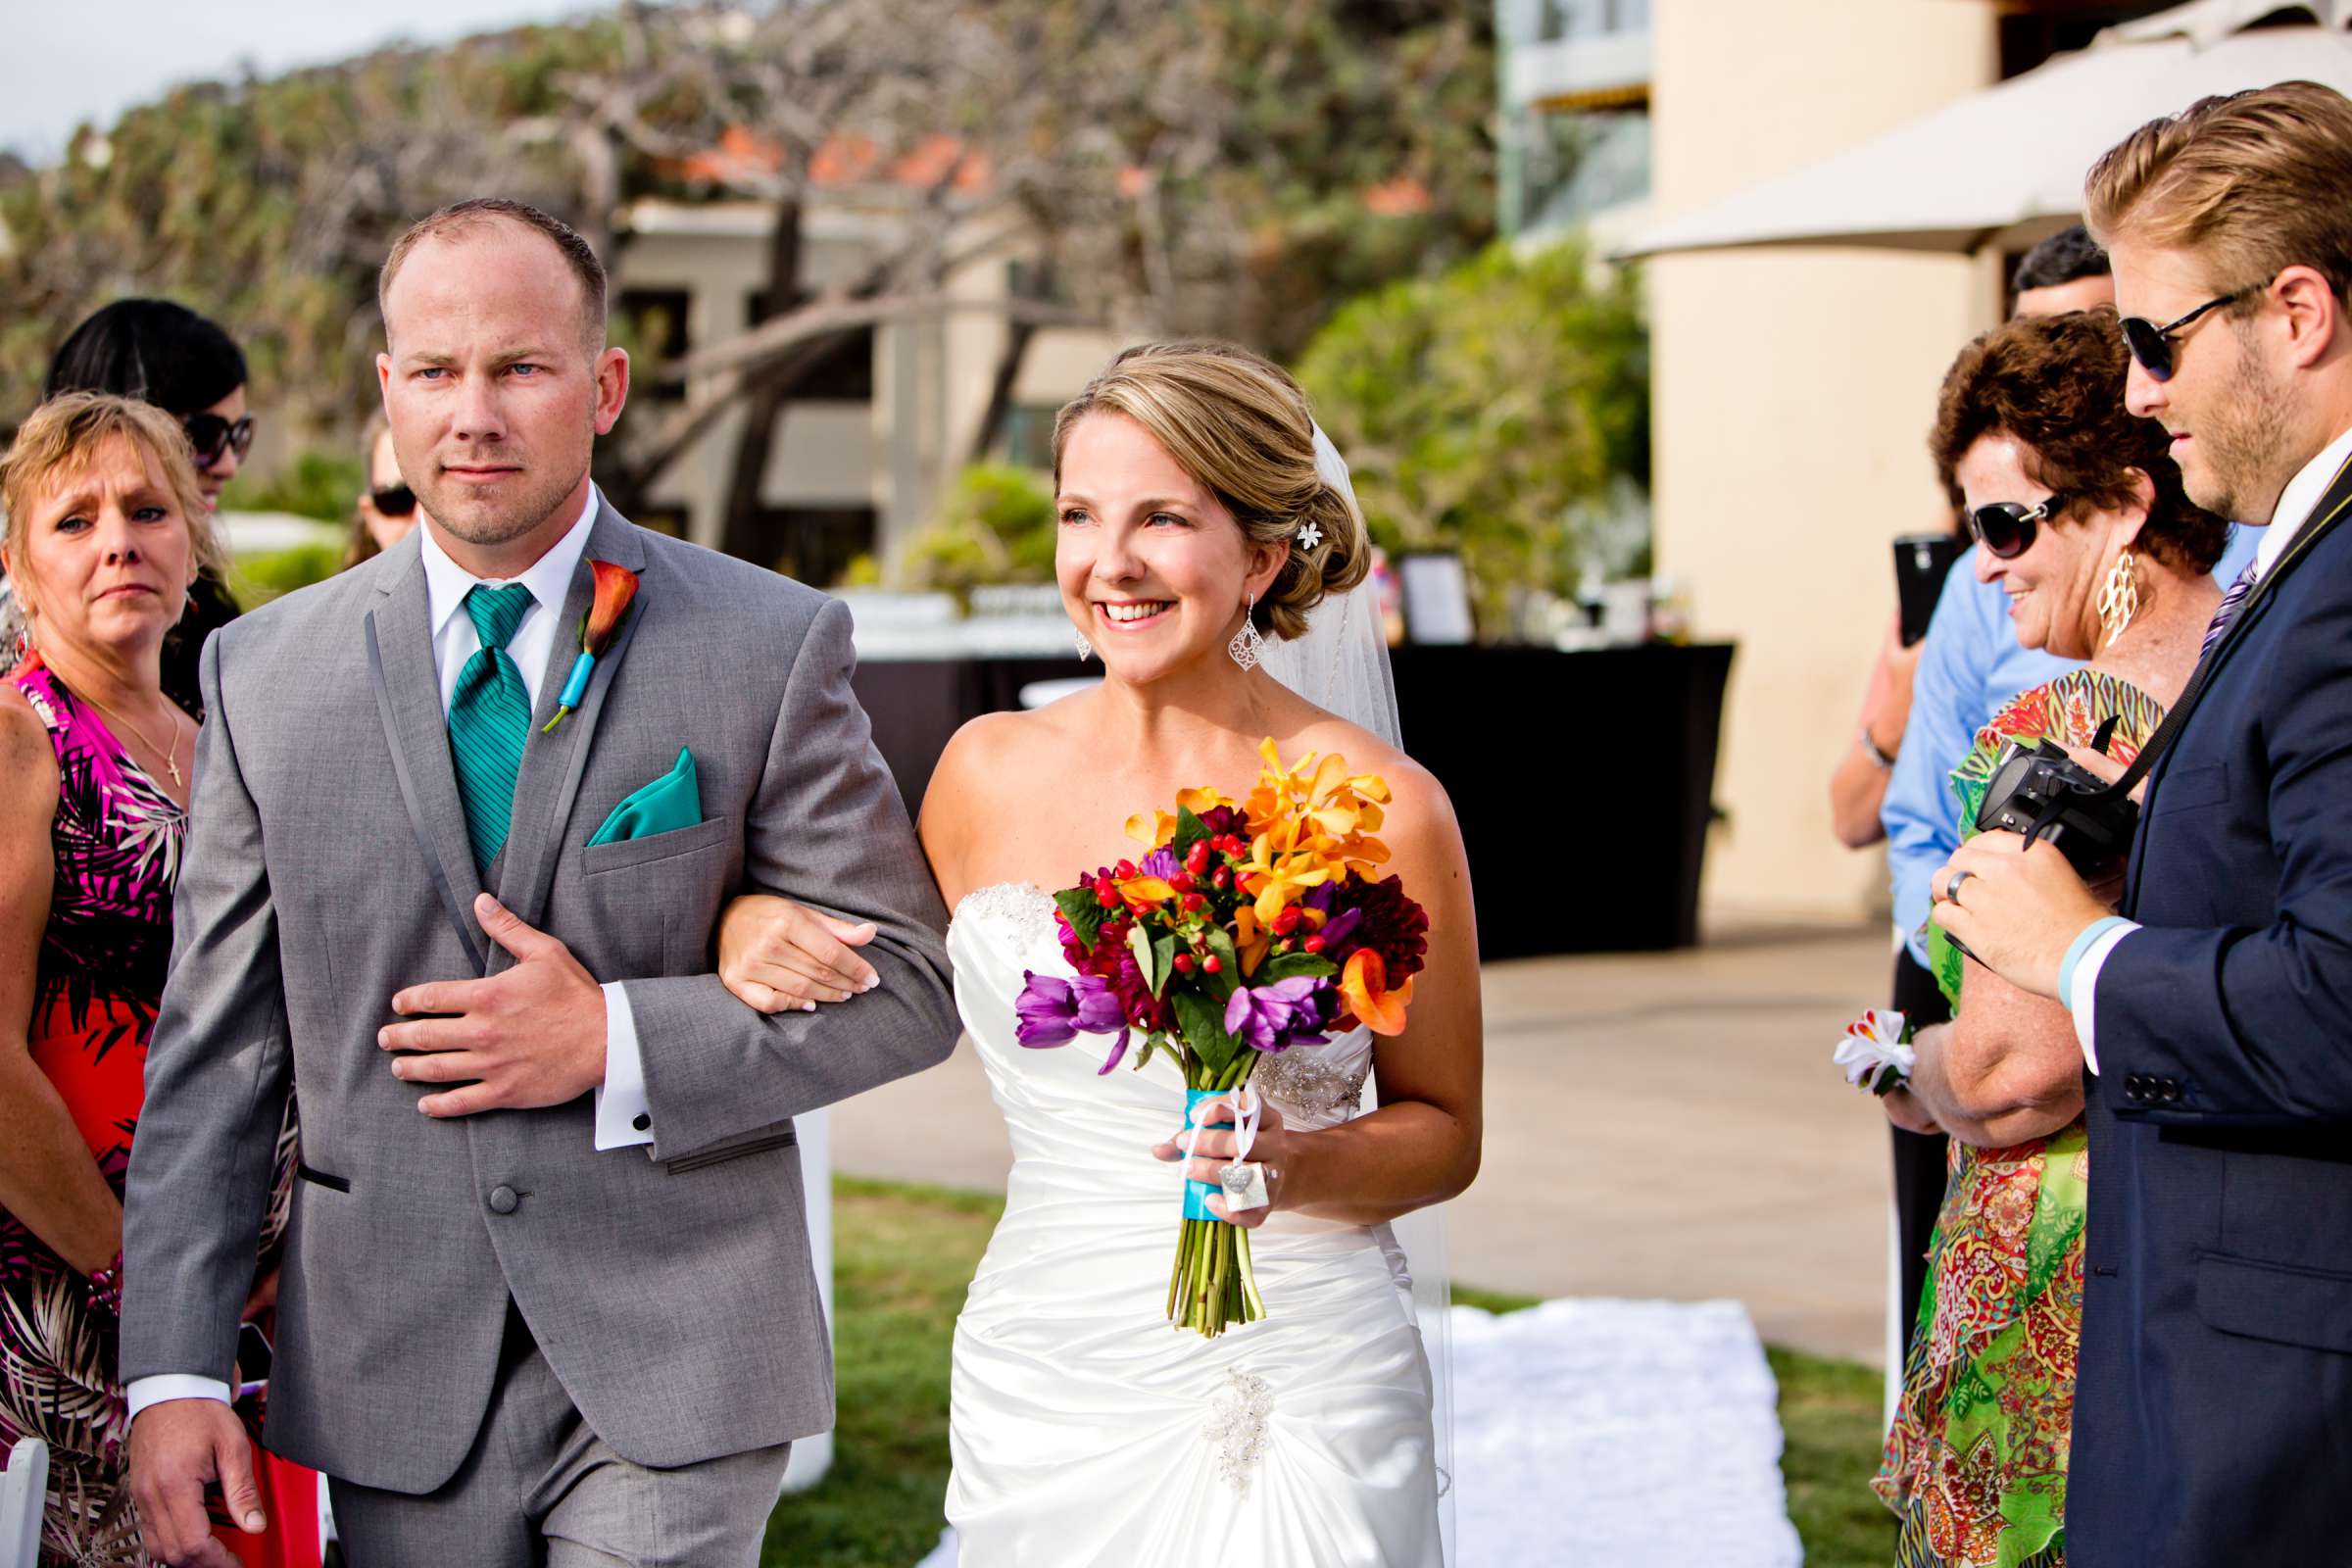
column 1657, row 1125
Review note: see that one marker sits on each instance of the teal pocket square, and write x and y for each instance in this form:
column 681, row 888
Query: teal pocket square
column 669, row 803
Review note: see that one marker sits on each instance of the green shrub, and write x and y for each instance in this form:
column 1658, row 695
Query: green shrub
column 1498, row 411
column 317, row 483
column 263, row 575
column 995, row 525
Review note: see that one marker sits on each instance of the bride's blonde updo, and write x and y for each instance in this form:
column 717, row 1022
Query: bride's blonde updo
column 1240, row 425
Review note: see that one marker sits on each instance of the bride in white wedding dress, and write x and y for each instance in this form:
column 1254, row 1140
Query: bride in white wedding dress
column 1085, row 1430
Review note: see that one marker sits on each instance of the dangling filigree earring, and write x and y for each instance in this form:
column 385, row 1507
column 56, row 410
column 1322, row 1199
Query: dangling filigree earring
column 2118, row 599
column 1247, row 644
column 1086, row 650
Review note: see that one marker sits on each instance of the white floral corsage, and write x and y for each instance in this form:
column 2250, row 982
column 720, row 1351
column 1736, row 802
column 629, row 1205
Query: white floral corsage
column 1876, row 1052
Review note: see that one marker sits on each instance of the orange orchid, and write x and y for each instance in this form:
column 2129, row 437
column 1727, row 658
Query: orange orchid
column 615, row 591
column 1363, row 986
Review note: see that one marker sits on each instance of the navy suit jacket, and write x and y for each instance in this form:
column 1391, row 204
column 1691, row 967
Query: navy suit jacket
column 2213, row 1413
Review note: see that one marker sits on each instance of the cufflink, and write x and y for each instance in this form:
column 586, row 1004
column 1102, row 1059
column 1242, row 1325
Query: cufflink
column 642, row 1121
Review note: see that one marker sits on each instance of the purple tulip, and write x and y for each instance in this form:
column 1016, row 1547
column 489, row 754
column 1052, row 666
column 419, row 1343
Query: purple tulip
column 1275, row 1017
column 1053, row 1011
column 1161, row 863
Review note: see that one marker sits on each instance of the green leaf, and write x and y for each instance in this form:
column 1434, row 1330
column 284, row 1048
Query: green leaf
column 1138, row 943
column 1292, row 965
column 1084, row 911
column 1203, row 1023
column 1190, row 831
column 1221, row 985
column 1163, row 960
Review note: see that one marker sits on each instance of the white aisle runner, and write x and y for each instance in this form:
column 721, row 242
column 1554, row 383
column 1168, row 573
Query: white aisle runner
column 1605, row 1432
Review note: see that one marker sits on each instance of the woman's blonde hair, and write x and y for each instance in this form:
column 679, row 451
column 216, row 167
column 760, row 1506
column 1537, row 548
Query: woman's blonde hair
column 2250, row 184
column 1240, row 425
column 57, row 440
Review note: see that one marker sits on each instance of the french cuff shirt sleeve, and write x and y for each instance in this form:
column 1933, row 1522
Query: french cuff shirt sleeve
column 166, row 1386
column 2079, row 979
column 623, row 1114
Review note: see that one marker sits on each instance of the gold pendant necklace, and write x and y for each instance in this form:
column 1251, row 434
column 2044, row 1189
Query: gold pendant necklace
column 171, row 757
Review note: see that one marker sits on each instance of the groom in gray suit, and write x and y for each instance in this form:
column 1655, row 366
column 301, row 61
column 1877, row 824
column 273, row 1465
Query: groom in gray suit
column 546, row 1294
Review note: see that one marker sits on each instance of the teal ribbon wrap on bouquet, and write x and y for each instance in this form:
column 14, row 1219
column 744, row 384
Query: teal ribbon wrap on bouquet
column 1197, row 1193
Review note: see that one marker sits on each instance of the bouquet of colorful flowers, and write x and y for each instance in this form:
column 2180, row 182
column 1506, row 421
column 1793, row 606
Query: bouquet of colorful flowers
column 1249, row 928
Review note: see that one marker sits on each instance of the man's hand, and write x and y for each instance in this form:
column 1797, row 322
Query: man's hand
column 531, row 1036
column 177, row 1447
column 2017, row 913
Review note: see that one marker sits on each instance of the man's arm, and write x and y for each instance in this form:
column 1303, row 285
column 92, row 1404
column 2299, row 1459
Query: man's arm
column 218, row 1075
column 826, row 829
column 1921, row 815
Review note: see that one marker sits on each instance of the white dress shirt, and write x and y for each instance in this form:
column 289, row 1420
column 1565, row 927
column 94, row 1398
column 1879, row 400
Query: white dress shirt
column 622, row 1099
column 2296, row 504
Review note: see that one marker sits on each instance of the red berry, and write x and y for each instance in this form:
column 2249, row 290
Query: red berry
column 1195, row 858
column 1287, row 921
column 1194, row 904
column 1184, row 963
column 1107, row 896
column 1221, row 879
column 1125, row 870
column 1313, row 943
column 1213, row 964
column 1182, row 883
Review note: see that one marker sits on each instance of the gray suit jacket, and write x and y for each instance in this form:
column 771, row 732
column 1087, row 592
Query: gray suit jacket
column 327, row 867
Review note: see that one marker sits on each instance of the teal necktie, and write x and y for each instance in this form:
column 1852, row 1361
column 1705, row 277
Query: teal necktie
column 489, row 720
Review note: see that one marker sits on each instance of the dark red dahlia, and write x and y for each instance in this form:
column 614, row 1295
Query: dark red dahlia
column 1382, row 919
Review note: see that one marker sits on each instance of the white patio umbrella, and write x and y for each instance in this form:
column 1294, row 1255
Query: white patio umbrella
column 2004, row 167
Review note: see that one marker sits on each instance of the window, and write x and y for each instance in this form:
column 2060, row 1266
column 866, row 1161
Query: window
column 844, row 373
column 652, row 328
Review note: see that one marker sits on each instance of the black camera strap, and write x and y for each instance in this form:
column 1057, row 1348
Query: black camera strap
column 2331, row 510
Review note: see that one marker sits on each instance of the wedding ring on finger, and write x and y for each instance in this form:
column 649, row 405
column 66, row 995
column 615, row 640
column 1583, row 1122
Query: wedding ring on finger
column 1951, row 889
column 1245, row 1183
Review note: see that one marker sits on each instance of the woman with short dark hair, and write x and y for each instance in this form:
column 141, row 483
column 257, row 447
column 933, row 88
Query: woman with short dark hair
column 166, row 355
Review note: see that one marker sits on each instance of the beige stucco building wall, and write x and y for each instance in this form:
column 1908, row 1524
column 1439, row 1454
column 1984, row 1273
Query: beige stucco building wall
column 1793, row 391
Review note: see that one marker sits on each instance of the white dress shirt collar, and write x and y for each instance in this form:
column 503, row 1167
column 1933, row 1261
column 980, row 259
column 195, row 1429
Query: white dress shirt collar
column 549, row 578
column 2297, row 501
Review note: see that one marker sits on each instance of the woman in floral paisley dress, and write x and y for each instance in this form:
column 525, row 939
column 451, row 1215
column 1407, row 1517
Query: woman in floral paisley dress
column 105, row 530
column 2105, row 559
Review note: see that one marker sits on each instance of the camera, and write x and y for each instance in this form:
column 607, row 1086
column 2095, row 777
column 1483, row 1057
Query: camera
column 2040, row 791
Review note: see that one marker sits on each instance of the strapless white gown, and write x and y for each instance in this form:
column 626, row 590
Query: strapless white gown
column 1085, row 1429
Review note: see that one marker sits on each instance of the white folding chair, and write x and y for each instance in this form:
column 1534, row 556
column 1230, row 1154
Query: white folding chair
column 23, row 1486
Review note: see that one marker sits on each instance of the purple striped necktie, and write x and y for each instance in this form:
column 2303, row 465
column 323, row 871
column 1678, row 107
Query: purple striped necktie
column 2235, row 597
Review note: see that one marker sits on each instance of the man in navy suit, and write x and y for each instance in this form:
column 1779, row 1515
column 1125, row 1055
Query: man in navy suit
column 2213, row 1414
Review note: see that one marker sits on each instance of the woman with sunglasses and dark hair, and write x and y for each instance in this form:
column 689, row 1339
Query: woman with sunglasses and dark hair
column 166, row 355
column 386, row 507
column 2081, row 521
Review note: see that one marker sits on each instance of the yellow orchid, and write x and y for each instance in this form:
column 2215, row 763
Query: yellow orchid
column 1144, row 892
column 1159, row 828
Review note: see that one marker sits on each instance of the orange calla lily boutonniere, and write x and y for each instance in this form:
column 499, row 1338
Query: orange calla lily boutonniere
column 616, row 592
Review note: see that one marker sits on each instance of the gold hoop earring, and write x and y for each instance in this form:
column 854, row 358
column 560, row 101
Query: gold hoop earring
column 2119, row 598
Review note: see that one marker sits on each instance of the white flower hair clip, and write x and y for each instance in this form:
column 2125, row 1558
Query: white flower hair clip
column 1311, row 535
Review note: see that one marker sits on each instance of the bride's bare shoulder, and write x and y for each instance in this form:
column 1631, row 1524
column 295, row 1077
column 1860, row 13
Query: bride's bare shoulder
column 998, row 751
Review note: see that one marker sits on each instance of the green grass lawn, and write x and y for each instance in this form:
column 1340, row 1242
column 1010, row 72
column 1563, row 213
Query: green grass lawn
column 902, row 1255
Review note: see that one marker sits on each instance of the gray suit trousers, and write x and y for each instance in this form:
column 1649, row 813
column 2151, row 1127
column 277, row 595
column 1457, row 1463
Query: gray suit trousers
column 539, row 1488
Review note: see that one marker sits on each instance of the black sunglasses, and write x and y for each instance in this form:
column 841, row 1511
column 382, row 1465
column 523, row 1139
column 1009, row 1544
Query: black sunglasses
column 2006, row 528
column 211, row 435
column 2152, row 345
column 397, row 502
